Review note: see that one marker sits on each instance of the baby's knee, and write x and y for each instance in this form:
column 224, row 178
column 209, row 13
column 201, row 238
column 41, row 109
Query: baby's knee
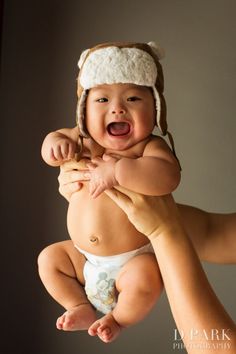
column 143, row 276
column 61, row 258
column 148, row 278
column 44, row 257
column 49, row 257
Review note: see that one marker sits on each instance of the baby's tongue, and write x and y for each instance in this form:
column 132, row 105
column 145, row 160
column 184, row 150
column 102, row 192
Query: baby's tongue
column 120, row 128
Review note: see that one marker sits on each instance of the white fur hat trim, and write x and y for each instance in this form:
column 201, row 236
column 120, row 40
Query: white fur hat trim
column 114, row 65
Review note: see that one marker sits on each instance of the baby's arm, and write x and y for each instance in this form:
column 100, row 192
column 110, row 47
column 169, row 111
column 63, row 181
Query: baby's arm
column 157, row 172
column 60, row 146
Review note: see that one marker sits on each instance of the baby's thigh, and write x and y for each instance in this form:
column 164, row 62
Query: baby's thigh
column 141, row 273
column 63, row 257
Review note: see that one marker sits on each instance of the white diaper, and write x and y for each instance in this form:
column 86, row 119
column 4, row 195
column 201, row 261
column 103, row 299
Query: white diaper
column 100, row 275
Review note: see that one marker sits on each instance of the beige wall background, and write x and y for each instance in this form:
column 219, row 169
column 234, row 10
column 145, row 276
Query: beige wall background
column 41, row 43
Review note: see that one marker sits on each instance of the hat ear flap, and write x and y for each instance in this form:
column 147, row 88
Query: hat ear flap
column 162, row 120
column 80, row 114
column 160, row 111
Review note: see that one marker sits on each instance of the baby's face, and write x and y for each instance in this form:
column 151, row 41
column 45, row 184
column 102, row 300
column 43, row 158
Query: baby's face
column 119, row 116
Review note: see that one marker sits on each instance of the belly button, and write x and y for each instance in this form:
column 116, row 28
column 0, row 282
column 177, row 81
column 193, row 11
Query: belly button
column 93, row 239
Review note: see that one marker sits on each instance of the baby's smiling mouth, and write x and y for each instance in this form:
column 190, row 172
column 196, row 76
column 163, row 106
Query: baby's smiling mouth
column 118, row 128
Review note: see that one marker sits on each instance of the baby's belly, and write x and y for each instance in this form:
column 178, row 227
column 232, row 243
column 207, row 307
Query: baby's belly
column 100, row 227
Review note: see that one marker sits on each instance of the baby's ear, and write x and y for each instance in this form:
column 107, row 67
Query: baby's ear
column 82, row 57
column 160, row 53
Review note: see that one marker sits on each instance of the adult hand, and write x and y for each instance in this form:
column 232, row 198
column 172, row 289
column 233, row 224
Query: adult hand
column 150, row 215
column 71, row 177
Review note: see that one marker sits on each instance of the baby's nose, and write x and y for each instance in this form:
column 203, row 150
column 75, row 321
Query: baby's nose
column 118, row 111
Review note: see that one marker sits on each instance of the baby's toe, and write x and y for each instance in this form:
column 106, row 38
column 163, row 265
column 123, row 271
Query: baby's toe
column 93, row 330
column 60, row 321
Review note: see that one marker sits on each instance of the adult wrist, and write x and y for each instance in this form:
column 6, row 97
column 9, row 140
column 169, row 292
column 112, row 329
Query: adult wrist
column 169, row 230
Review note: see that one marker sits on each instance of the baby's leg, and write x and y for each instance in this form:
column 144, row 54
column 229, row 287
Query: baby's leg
column 61, row 271
column 139, row 285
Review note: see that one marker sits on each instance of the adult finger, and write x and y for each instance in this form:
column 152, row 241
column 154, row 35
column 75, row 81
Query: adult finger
column 70, row 165
column 66, row 177
column 121, row 199
column 134, row 197
column 67, row 190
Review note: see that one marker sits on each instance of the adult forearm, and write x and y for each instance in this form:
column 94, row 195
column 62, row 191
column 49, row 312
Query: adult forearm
column 196, row 309
column 213, row 235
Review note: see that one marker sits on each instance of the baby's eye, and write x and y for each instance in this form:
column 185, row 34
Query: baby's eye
column 102, row 99
column 133, row 98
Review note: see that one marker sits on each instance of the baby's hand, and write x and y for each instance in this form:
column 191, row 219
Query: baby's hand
column 102, row 175
column 63, row 149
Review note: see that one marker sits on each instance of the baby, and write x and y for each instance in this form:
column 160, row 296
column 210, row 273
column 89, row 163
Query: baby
column 120, row 100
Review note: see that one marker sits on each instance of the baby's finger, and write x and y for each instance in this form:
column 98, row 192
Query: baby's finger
column 97, row 191
column 57, row 153
column 52, row 155
column 71, row 151
column 92, row 188
column 64, row 150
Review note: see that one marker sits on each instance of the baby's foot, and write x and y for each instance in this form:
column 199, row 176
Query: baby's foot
column 106, row 328
column 78, row 318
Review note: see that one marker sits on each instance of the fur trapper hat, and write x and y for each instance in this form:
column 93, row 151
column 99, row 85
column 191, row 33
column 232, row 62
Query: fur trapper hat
column 117, row 62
